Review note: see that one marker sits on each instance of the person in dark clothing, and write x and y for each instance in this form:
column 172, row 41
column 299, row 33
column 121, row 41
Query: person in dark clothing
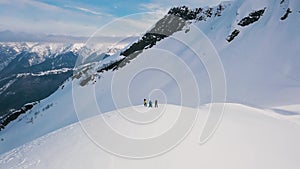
column 150, row 103
column 155, row 103
column 145, row 102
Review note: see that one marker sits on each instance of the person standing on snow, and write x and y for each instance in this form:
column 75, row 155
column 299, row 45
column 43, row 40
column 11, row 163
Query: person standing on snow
column 150, row 103
column 145, row 102
column 155, row 103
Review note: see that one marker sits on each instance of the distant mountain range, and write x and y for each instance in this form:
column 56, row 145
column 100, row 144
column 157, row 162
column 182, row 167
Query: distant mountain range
column 30, row 71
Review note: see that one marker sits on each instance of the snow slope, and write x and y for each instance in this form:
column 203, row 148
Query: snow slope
column 246, row 138
column 260, row 69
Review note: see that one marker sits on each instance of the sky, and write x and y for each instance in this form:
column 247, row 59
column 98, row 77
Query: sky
column 85, row 17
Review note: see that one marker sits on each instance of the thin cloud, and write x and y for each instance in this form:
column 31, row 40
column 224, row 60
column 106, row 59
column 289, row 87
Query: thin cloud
column 35, row 17
column 84, row 10
column 82, row 18
column 131, row 25
column 154, row 7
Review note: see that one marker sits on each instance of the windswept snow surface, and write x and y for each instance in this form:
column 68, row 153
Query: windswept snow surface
column 246, row 138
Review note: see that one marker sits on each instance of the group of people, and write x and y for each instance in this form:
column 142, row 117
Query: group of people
column 150, row 103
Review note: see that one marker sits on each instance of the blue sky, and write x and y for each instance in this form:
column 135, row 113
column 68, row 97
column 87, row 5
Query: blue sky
column 113, row 7
column 84, row 17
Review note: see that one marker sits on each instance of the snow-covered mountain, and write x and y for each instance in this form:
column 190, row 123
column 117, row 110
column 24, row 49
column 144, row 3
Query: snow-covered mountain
column 32, row 71
column 247, row 138
column 10, row 50
column 242, row 52
column 46, row 50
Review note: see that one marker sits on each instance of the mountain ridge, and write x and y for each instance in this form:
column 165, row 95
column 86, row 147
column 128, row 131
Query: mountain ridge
column 249, row 61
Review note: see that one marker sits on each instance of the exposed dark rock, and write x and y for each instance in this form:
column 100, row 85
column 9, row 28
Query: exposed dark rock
column 28, row 106
column 288, row 11
column 208, row 12
column 47, row 106
column 252, row 17
column 174, row 21
column 183, row 12
column 232, row 35
column 4, row 121
column 86, row 80
column 219, row 10
column 147, row 41
column 165, row 27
